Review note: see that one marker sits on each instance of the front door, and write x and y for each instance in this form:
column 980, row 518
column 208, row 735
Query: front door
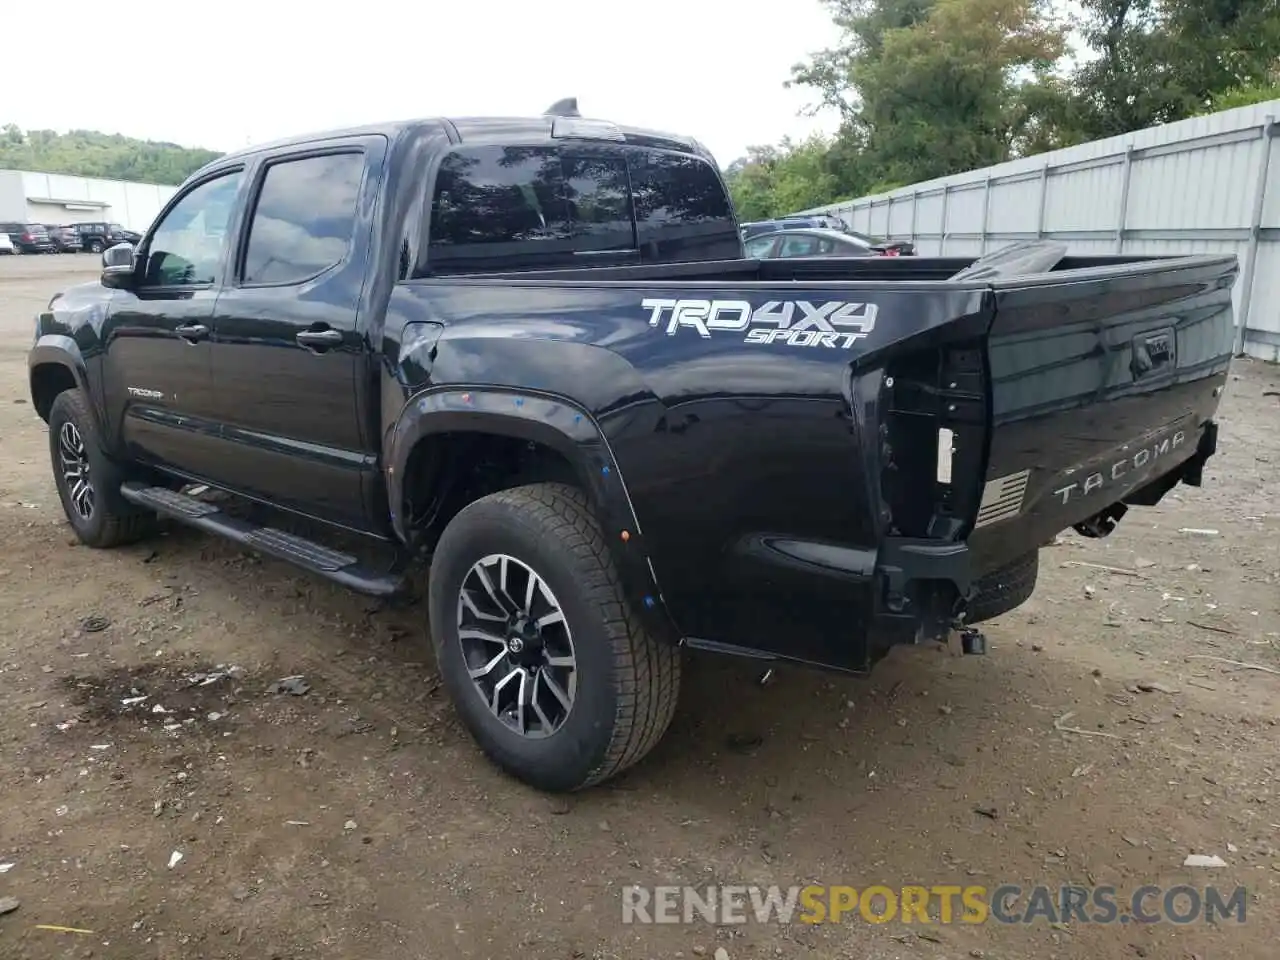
column 157, row 372
column 287, row 354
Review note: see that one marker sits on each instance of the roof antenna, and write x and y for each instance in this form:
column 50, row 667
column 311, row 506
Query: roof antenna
column 568, row 107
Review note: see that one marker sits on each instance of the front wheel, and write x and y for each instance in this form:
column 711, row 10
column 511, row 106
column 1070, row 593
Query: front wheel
column 536, row 644
column 88, row 482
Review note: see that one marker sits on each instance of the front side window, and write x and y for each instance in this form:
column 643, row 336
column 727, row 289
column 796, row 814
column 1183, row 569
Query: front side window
column 187, row 245
column 759, row 247
column 305, row 218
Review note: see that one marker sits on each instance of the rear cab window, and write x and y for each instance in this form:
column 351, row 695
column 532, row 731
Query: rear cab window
column 682, row 208
column 499, row 208
column 496, row 208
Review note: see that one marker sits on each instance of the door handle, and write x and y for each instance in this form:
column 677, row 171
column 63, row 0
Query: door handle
column 319, row 338
column 192, row 332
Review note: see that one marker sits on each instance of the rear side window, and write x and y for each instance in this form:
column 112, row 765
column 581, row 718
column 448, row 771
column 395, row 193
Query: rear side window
column 498, row 208
column 682, row 208
column 305, row 218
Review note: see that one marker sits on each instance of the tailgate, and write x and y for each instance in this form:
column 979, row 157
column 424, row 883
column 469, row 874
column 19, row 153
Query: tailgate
column 1103, row 381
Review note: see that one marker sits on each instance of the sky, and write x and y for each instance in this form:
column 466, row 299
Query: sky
column 227, row 74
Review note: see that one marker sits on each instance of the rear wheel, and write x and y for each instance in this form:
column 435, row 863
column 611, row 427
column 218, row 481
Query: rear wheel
column 1004, row 589
column 546, row 665
column 88, row 482
column 95, row 246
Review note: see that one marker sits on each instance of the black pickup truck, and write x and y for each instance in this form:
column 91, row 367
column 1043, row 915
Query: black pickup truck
column 531, row 351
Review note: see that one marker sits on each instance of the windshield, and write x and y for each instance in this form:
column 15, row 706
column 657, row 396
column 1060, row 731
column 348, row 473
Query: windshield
column 115, row 228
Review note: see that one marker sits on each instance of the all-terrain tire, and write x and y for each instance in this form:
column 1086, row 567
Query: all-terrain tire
column 627, row 681
column 111, row 521
column 1004, row 589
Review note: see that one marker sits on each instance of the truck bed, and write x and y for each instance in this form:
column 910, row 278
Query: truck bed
column 820, row 451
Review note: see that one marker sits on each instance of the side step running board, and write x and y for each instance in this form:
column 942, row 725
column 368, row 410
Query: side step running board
column 340, row 567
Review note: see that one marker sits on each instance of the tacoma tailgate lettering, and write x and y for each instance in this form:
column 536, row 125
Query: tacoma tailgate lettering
column 1099, row 479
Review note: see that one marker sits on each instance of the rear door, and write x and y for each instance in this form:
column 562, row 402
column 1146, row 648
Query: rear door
column 287, row 351
column 1101, row 381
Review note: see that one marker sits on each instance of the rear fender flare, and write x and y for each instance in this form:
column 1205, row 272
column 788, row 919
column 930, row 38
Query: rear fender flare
column 559, row 424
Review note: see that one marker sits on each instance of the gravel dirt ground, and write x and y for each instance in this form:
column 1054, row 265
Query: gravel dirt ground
column 358, row 820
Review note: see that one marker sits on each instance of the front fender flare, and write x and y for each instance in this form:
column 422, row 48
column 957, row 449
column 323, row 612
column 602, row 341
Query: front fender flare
column 60, row 350
column 559, row 424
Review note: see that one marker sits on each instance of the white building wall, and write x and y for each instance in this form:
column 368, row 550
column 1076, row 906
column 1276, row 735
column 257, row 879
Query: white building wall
column 1205, row 185
column 57, row 198
column 13, row 202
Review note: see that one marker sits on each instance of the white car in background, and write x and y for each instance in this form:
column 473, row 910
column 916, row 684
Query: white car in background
column 6, row 245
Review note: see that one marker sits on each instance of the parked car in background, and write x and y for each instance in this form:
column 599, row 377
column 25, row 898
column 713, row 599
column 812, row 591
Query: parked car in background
column 758, row 227
column 891, row 248
column 28, row 237
column 6, row 245
column 96, row 236
column 65, row 239
column 819, row 243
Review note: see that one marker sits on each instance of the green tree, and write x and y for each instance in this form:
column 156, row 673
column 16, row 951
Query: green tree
column 930, row 87
column 774, row 180
column 925, row 88
column 1244, row 96
column 1157, row 61
column 863, row 25
column 87, row 153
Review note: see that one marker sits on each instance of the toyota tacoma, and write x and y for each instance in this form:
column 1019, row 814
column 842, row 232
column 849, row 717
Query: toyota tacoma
column 530, row 352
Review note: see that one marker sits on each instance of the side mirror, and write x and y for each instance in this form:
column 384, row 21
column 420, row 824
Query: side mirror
column 118, row 255
column 117, row 267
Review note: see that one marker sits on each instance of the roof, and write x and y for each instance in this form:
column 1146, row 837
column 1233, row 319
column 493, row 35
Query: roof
column 474, row 129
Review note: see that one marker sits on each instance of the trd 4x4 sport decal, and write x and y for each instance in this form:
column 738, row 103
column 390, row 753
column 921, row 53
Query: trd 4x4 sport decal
column 835, row 324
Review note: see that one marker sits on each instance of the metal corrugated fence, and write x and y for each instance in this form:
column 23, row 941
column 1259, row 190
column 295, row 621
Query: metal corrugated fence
column 1205, row 185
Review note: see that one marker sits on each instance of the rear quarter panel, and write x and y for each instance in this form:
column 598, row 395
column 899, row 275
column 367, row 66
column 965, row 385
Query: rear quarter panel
column 725, row 443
